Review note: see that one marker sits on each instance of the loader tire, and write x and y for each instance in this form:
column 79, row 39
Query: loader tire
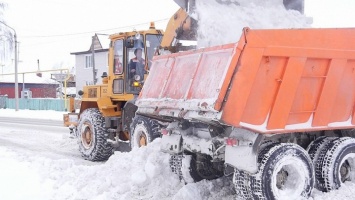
column 285, row 171
column 92, row 136
column 335, row 164
column 143, row 131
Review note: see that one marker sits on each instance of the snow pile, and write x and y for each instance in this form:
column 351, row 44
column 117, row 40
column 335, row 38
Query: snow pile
column 43, row 163
column 223, row 23
column 28, row 180
column 143, row 173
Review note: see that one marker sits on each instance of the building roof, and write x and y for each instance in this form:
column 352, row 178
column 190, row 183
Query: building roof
column 101, row 44
column 89, row 52
column 29, row 78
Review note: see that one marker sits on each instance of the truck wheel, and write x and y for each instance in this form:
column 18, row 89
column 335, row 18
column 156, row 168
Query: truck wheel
column 285, row 170
column 316, row 146
column 241, row 181
column 186, row 167
column 93, row 137
column 143, row 131
column 336, row 164
column 175, row 163
column 201, row 168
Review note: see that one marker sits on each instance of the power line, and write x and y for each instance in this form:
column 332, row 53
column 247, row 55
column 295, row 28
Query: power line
column 82, row 33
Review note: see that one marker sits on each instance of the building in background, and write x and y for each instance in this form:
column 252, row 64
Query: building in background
column 83, row 62
column 31, row 87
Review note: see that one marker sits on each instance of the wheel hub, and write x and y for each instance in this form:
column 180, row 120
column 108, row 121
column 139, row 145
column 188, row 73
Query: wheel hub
column 142, row 140
column 86, row 136
column 345, row 171
column 140, row 135
column 281, row 178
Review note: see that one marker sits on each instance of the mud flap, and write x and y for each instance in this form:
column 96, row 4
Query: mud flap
column 244, row 156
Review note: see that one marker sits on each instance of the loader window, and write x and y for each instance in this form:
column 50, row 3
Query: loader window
column 152, row 43
column 118, row 57
column 136, row 64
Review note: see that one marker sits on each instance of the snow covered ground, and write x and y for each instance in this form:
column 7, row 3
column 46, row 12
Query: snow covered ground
column 44, row 163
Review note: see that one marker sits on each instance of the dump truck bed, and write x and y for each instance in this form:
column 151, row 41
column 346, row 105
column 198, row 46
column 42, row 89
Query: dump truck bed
column 271, row 81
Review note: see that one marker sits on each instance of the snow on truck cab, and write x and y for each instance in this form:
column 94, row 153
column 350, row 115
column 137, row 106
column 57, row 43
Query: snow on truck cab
column 276, row 110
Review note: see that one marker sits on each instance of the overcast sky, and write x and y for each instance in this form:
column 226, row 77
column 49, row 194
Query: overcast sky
column 49, row 30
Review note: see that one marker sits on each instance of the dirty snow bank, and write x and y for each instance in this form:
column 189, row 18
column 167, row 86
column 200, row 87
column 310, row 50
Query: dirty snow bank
column 223, row 23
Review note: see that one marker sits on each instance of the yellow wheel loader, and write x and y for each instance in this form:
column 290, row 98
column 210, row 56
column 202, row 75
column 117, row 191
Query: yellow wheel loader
column 107, row 110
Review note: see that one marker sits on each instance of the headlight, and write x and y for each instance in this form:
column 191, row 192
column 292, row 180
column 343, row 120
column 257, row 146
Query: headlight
column 136, row 84
column 137, row 77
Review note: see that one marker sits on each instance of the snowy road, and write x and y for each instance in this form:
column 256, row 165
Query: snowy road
column 42, row 162
column 40, row 137
column 20, row 120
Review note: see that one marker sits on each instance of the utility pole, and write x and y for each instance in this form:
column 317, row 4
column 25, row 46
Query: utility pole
column 16, row 62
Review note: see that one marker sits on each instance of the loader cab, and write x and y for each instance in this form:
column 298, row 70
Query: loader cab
column 131, row 60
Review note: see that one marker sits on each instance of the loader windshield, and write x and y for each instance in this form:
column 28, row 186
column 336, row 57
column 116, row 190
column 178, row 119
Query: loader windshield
column 118, row 57
column 136, row 64
column 152, row 43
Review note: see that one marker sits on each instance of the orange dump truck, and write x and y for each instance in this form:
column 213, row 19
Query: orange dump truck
column 275, row 110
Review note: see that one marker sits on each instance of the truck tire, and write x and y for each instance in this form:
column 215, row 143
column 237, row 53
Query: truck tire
column 285, row 171
column 143, row 131
column 241, row 181
column 201, row 168
column 175, row 163
column 335, row 164
column 92, row 136
column 185, row 166
column 315, row 147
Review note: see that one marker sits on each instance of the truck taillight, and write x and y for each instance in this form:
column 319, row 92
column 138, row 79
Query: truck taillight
column 164, row 132
column 232, row 142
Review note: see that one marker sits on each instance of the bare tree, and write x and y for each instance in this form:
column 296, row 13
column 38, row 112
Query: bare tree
column 6, row 37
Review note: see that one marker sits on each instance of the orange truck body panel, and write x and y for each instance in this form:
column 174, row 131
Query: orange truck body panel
column 271, row 81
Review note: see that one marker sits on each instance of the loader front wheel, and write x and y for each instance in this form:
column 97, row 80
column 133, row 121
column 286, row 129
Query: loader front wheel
column 92, row 136
column 143, row 131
